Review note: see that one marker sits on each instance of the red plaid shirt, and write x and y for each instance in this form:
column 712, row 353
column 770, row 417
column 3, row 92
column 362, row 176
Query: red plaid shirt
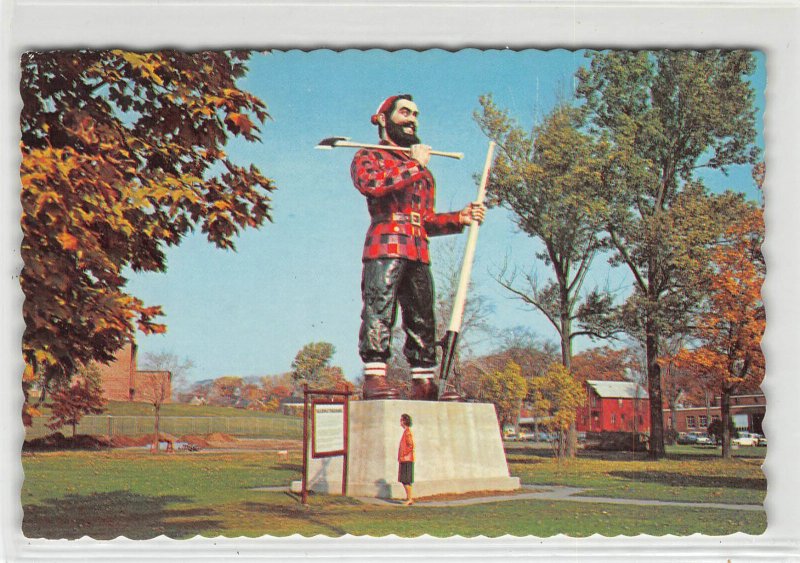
column 398, row 188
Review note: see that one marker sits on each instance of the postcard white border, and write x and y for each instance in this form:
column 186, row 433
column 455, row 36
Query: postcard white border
column 148, row 24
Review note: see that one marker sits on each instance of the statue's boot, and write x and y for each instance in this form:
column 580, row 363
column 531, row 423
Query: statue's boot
column 377, row 388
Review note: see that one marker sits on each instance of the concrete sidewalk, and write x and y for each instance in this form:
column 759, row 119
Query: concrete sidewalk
column 561, row 493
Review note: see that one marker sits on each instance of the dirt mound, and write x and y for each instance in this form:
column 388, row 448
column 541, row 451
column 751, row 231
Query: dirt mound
column 220, row 437
column 131, row 441
column 58, row 441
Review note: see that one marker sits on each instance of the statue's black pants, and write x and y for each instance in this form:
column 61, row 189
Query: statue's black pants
column 385, row 283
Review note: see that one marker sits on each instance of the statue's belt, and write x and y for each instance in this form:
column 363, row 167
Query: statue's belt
column 413, row 218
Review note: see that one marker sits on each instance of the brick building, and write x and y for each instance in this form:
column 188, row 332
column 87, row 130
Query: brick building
column 122, row 381
column 614, row 406
column 747, row 412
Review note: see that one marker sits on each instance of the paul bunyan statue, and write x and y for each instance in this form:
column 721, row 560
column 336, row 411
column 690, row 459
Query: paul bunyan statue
column 400, row 192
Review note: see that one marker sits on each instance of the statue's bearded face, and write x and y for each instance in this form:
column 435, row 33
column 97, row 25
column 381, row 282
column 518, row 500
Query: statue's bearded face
column 401, row 127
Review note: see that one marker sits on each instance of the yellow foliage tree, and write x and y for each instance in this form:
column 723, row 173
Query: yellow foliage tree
column 505, row 389
column 556, row 396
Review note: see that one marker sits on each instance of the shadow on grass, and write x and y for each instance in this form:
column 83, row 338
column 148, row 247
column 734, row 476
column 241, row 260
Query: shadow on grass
column 296, row 467
column 109, row 515
column 684, row 480
column 297, row 513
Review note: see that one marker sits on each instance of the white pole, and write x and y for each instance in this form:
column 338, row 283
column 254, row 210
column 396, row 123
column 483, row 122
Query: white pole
column 460, row 300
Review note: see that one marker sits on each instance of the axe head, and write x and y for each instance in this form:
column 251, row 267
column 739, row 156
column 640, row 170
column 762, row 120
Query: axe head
column 330, row 142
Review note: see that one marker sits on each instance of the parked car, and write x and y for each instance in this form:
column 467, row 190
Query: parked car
column 546, row 437
column 762, row 440
column 699, row 438
column 525, row 435
column 745, row 439
column 703, row 439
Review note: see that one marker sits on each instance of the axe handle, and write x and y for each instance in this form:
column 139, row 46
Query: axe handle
column 459, row 302
column 457, row 315
column 457, row 155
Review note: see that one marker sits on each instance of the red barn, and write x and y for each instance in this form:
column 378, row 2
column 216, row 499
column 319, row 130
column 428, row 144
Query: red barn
column 614, row 406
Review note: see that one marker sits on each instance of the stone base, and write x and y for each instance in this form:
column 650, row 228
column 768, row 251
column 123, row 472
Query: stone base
column 458, row 450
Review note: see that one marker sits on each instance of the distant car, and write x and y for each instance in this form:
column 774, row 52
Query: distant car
column 703, row 439
column 524, row 435
column 546, row 437
column 762, row 440
column 698, row 438
column 745, row 439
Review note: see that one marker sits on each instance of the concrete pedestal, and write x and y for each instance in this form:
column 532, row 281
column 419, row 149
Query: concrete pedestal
column 458, row 450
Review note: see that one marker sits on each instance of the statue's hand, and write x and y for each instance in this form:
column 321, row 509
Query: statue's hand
column 472, row 212
column 421, row 153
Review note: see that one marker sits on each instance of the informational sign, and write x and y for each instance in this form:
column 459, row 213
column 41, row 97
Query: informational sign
column 328, row 434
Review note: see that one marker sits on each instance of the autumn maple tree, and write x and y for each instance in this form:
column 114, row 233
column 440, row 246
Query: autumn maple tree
column 732, row 324
column 122, row 156
column 71, row 401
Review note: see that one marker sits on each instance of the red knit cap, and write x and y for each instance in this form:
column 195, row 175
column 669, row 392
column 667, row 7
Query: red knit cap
column 383, row 108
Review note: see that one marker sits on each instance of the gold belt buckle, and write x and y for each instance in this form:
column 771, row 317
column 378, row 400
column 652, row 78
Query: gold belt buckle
column 416, row 220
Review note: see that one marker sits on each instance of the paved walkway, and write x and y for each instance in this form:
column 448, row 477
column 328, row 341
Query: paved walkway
column 561, row 493
column 548, row 492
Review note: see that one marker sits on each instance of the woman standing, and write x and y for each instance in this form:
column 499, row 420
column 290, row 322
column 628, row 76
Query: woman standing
column 405, row 456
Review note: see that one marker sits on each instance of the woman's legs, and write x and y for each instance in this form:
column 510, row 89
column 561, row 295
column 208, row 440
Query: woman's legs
column 409, row 498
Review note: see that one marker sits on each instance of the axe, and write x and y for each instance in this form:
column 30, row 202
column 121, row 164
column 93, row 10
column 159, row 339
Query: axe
column 457, row 316
column 333, row 142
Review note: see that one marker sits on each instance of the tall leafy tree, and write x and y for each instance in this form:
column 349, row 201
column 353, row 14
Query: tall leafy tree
column 552, row 179
column 122, row 156
column 732, row 324
column 667, row 114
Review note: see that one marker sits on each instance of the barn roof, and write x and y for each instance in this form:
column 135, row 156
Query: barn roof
column 618, row 389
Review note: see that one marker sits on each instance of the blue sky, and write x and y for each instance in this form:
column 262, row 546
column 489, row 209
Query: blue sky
column 296, row 280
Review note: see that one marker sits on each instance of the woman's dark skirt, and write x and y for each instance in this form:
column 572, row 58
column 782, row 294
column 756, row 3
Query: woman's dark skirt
column 406, row 473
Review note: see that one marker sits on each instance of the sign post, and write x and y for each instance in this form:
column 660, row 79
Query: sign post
column 328, row 411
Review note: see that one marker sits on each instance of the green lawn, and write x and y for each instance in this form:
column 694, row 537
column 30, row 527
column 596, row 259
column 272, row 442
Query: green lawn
column 683, row 476
column 136, row 419
column 133, row 493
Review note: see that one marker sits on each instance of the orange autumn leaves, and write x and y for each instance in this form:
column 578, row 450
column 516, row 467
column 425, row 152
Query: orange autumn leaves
column 732, row 324
column 122, row 156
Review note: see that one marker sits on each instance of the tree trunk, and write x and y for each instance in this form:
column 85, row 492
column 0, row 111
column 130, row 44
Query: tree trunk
column 156, row 443
column 570, row 437
column 74, row 428
column 725, row 411
column 654, row 391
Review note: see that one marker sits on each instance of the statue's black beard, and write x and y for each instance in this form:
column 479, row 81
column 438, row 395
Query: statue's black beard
column 400, row 137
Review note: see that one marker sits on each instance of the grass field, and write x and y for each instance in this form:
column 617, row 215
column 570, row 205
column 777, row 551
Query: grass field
column 133, row 493
column 136, row 419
